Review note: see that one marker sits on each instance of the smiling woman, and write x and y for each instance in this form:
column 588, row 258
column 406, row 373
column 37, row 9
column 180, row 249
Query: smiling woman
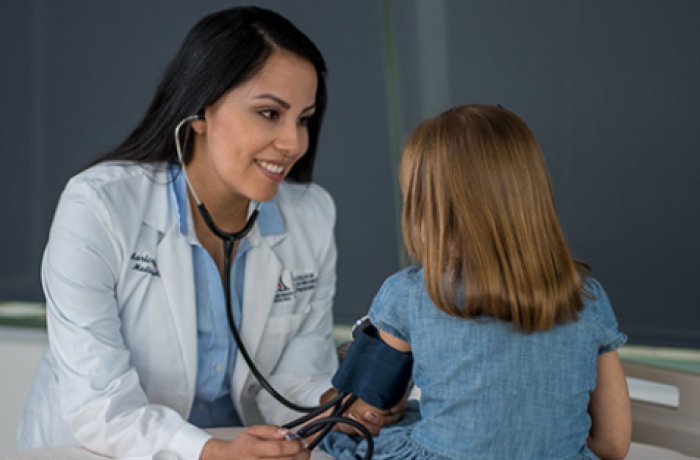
column 139, row 288
column 247, row 142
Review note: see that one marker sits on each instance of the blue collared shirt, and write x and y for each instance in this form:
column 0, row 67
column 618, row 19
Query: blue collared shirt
column 216, row 348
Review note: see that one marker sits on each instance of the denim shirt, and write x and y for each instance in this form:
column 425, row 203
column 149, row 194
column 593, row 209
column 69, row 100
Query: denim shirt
column 216, row 348
column 490, row 392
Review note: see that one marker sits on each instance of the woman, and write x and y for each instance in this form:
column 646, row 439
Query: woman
column 140, row 356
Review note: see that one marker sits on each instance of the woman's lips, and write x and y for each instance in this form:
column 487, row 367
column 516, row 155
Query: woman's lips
column 274, row 171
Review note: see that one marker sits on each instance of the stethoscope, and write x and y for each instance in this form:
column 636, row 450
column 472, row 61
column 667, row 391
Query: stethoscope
column 340, row 402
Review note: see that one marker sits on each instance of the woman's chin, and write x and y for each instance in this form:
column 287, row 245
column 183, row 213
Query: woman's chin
column 264, row 195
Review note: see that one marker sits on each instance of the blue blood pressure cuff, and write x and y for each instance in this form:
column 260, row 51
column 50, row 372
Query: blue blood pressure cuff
column 372, row 370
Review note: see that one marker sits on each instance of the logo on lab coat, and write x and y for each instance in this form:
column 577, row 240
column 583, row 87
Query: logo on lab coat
column 284, row 292
column 290, row 285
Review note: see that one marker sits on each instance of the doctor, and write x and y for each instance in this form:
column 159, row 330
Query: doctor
column 140, row 356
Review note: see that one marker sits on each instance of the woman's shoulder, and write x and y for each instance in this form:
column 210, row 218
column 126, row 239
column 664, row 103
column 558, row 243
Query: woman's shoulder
column 306, row 200
column 304, row 193
column 120, row 192
column 103, row 175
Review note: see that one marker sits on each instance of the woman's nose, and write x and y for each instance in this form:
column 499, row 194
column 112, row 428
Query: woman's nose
column 292, row 139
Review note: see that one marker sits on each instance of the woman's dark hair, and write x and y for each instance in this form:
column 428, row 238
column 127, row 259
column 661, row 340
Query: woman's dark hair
column 222, row 51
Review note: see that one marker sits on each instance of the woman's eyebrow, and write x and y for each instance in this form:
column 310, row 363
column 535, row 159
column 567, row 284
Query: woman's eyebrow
column 286, row 105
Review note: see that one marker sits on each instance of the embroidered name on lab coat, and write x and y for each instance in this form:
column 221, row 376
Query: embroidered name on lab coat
column 305, row 282
column 144, row 263
column 289, row 284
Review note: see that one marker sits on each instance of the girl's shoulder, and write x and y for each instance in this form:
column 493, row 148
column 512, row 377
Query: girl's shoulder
column 408, row 277
column 595, row 299
column 599, row 310
column 393, row 306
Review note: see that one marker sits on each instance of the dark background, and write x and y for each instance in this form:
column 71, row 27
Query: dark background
column 611, row 89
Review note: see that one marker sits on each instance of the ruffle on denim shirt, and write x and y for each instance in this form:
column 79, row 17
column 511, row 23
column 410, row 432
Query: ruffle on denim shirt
column 610, row 338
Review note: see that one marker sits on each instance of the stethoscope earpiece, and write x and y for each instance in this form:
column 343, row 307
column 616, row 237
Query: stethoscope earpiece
column 180, row 156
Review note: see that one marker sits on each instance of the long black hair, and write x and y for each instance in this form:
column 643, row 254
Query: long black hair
column 222, row 51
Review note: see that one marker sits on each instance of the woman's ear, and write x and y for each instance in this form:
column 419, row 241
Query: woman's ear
column 199, row 126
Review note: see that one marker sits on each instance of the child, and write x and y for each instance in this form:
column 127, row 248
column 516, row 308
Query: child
column 514, row 345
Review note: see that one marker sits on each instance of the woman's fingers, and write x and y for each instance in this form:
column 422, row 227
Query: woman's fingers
column 268, row 441
column 394, row 414
column 267, row 431
column 374, row 418
column 278, row 449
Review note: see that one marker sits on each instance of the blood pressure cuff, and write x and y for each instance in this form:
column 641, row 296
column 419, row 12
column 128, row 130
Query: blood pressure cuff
column 373, row 370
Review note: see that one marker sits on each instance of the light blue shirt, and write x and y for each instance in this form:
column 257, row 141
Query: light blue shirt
column 216, row 348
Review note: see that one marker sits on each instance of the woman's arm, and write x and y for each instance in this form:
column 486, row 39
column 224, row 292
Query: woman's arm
column 609, row 407
column 100, row 392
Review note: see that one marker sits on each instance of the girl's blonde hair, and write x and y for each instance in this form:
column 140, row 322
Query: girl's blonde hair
column 479, row 216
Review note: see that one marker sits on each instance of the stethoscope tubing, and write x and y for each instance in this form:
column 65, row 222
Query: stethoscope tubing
column 315, row 410
column 341, row 402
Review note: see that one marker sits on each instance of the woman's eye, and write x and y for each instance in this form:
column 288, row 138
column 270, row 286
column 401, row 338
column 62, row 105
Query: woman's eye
column 270, row 114
column 304, row 121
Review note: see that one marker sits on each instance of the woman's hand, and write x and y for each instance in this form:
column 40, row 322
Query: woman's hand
column 373, row 418
column 256, row 442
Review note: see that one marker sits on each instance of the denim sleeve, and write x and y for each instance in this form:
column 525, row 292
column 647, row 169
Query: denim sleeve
column 610, row 337
column 390, row 308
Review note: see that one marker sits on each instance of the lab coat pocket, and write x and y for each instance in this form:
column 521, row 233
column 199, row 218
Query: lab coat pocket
column 279, row 331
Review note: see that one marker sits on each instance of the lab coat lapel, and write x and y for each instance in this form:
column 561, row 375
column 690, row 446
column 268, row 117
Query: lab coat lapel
column 263, row 270
column 178, row 282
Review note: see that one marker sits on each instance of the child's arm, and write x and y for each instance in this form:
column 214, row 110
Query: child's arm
column 394, row 343
column 611, row 420
column 372, row 417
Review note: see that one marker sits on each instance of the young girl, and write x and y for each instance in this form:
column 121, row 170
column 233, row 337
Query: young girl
column 514, row 345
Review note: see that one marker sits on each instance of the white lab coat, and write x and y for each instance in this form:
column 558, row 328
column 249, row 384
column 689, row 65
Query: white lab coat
column 119, row 376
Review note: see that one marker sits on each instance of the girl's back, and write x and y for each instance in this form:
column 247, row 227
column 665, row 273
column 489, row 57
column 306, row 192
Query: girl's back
column 490, row 392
